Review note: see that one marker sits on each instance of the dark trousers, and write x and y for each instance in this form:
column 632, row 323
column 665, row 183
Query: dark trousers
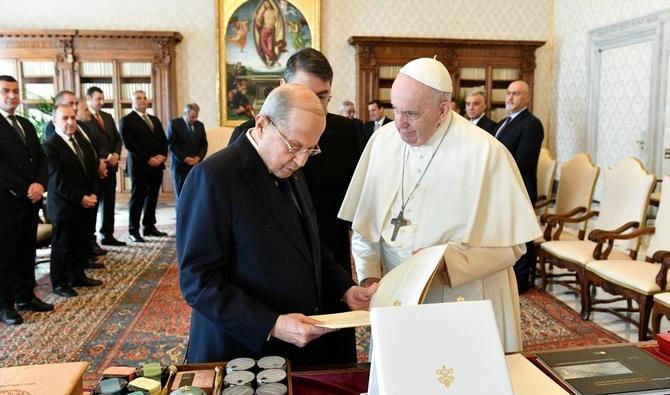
column 144, row 195
column 69, row 249
column 178, row 177
column 107, row 202
column 334, row 234
column 524, row 267
column 18, row 239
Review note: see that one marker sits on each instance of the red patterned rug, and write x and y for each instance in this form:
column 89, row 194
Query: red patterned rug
column 547, row 323
column 138, row 315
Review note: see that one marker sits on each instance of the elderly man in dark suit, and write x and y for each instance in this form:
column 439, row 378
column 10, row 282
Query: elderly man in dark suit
column 23, row 178
column 147, row 147
column 522, row 133
column 73, row 189
column 475, row 108
column 68, row 98
column 187, row 143
column 109, row 151
column 328, row 174
column 251, row 264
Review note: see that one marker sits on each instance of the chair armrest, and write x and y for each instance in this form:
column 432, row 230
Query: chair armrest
column 660, row 255
column 600, row 236
column 662, row 276
column 561, row 220
column 542, row 201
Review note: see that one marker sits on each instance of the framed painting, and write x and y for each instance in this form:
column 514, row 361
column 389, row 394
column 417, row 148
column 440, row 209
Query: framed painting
column 255, row 39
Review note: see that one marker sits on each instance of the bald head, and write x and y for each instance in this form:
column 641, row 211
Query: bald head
column 518, row 96
column 288, row 128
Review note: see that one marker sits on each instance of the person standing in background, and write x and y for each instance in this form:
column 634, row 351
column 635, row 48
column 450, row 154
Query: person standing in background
column 23, row 180
column 109, row 151
column 187, row 143
column 147, row 146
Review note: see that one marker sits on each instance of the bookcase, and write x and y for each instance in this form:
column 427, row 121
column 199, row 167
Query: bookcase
column 118, row 62
column 475, row 65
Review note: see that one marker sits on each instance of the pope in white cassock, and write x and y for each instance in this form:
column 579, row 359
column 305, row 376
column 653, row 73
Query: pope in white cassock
column 432, row 177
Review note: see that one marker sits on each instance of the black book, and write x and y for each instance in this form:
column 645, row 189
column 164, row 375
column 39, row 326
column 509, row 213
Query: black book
column 608, row 370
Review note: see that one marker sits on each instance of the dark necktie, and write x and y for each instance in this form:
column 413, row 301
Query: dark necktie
column 284, row 185
column 80, row 153
column 101, row 123
column 147, row 120
column 503, row 126
column 17, row 127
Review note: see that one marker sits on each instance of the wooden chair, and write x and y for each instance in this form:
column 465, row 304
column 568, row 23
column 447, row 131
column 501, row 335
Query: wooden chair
column 574, row 196
column 661, row 308
column 632, row 280
column 623, row 208
column 546, row 171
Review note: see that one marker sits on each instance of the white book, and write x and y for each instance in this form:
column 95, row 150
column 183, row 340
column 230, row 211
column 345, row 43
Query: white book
column 440, row 348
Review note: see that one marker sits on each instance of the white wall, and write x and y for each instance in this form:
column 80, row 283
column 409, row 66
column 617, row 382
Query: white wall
column 573, row 20
column 195, row 20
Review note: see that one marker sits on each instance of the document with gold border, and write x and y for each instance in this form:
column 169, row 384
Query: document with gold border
column 406, row 284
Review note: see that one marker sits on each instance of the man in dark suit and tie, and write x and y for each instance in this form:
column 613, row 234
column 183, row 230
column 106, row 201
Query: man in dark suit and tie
column 475, row 107
column 522, row 133
column 250, row 261
column 328, row 174
column 187, row 143
column 23, row 178
column 73, row 188
column 109, row 151
column 147, row 147
column 68, row 98
column 377, row 120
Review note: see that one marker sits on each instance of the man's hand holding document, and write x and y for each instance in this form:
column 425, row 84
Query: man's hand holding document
column 407, row 284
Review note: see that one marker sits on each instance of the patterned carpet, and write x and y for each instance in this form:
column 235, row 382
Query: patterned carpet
column 138, row 315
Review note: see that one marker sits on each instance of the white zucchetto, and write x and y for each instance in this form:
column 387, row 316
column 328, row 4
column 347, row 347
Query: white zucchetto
column 430, row 72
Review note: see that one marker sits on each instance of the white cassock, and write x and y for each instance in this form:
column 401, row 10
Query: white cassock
column 471, row 197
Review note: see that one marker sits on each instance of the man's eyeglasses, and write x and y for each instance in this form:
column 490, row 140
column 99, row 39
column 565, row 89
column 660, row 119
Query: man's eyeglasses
column 295, row 150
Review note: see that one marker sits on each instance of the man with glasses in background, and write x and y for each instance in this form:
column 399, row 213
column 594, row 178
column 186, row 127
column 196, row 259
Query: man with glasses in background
column 250, row 261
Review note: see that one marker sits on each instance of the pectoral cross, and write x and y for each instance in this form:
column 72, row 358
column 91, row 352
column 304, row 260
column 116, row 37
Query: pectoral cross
column 397, row 222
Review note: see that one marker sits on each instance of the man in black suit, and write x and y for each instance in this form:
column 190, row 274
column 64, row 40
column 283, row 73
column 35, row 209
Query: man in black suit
column 109, row 152
column 522, row 133
column 475, row 107
column 250, row 262
column 73, row 186
column 328, row 174
column 68, row 98
column 377, row 120
column 187, row 143
column 23, row 177
column 147, row 147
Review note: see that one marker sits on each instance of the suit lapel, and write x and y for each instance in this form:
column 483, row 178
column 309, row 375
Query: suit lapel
column 265, row 190
column 10, row 129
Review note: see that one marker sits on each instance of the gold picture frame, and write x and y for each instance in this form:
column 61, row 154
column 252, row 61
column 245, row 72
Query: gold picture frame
column 255, row 38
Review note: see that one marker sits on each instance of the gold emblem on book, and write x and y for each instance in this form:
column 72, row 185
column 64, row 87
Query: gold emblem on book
column 396, row 303
column 445, row 376
column 460, row 299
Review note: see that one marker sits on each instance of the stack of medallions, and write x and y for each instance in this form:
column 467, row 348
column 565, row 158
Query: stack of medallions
column 268, row 376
